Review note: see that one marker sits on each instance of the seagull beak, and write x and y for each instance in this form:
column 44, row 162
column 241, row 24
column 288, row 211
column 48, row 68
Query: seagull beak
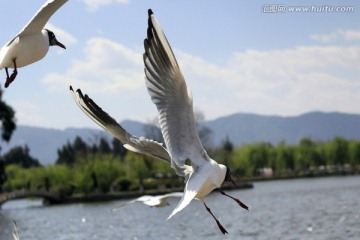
column 59, row 44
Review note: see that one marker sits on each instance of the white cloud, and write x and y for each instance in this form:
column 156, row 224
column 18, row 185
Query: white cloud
column 93, row 5
column 107, row 67
column 325, row 38
column 285, row 81
column 340, row 34
column 351, row 35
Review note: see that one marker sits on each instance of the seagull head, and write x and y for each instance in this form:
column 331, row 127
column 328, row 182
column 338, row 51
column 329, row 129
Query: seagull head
column 228, row 176
column 53, row 41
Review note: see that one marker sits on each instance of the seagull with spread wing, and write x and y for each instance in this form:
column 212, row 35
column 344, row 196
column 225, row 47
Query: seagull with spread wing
column 168, row 91
column 152, row 201
column 32, row 43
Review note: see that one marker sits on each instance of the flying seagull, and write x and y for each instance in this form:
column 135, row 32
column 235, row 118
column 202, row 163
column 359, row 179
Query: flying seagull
column 152, row 201
column 168, row 91
column 32, row 43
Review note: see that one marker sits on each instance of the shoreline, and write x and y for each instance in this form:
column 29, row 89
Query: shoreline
column 241, row 185
column 101, row 197
column 244, row 184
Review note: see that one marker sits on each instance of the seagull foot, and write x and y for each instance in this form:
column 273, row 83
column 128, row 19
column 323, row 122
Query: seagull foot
column 222, row 229
column 8, row 81
column 236, row 200
column 11, row 78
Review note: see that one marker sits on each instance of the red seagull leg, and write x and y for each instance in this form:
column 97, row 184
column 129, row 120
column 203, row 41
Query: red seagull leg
column 235, row 199
column 12, row 76
column 222, row 229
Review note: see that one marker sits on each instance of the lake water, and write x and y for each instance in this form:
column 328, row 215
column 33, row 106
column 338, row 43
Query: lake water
column 318, row 208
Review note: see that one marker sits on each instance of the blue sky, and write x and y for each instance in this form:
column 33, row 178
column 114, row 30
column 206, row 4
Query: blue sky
column 237, row 56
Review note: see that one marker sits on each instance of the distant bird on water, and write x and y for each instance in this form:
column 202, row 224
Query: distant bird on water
column 32, row 43
column 168, row 91
column 152, row 201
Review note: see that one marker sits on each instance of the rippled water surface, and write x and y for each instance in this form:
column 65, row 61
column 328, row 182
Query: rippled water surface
column 318, row 208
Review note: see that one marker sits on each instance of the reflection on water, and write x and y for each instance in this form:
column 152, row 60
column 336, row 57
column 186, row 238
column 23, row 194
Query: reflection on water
column 321, row 208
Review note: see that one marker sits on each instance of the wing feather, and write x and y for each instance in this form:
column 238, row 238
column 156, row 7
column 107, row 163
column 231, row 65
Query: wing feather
column 109, row 124
column 39, row 20
column 143, row 199
column 168, row 91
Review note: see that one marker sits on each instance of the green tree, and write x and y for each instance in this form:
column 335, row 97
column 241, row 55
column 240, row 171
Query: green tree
column 339, row 151
column 118, row 148
column 284, row 159
column 21, row 156
column 104, row 146
column 70, row 152
column 306, row 155
column 354, row 153
column 7, row 119
column 241, row 165
column 225, row 152
column 2, row 173
column 96, row 172
column 137, row 167
column 260, row 155
column 66, row 155
column 79, row 146
column 17, row 177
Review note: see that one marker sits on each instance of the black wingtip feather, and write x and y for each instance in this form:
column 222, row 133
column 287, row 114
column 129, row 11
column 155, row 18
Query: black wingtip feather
column 80, row 93
column 71, row 89
column 149, row 33
column 150, row 25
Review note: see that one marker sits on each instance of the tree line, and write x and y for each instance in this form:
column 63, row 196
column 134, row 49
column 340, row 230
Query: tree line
column 105, row 166
column 308, row 157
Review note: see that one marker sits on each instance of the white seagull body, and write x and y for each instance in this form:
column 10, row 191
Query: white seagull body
column 168, row 91
column 32, row 43
column 152, row 201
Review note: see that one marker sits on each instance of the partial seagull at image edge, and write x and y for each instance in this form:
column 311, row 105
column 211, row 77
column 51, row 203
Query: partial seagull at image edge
column 32, row 43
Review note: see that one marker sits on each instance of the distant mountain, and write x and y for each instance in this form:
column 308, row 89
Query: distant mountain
column 245, row 128
column 44, row 142
column 240, row 128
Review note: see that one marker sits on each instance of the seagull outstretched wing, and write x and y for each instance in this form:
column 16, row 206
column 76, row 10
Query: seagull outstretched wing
column 104, row 120
column 139, row 199
column 167, row 88
column 153, row 201
column 38, row 21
